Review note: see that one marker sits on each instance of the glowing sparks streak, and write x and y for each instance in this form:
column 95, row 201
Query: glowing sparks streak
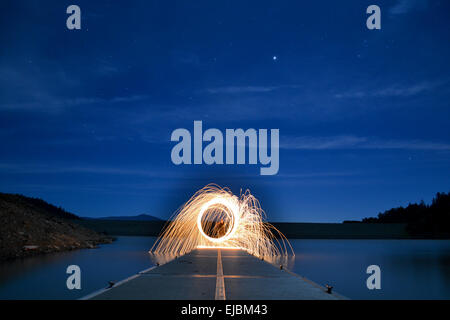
column 247, row 229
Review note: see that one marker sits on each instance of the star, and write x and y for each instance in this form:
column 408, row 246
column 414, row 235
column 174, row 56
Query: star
column 274, row 58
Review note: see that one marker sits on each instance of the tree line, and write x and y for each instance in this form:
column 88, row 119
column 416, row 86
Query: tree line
column 421, row 219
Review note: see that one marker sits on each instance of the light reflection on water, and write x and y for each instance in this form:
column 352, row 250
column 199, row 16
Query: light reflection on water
column 411, row 269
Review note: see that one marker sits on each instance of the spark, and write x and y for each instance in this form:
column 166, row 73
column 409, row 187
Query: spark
column 216, row 218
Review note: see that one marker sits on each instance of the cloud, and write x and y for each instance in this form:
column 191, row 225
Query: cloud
column 394, row 90
column 314, row 175
column 248, row 89
column 57, row 169
column 49, row 86
column 53, row 104
column 96, row 100
column 152, row 175
column 355, row 142
column 320, row 143
column 236, row 90
column 405, row 6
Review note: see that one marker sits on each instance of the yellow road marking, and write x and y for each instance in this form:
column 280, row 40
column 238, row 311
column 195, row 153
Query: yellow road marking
column 220, row 285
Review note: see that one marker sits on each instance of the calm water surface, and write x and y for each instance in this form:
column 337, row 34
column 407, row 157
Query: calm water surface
column 44, row 277
column 411, row 269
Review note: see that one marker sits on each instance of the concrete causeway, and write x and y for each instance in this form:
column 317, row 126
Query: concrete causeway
column 220, row 274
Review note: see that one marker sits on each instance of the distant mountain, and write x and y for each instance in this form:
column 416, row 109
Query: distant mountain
column 141, row 217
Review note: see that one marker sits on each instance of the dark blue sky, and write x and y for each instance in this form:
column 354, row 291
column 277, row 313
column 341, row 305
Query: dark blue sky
column 364, row 116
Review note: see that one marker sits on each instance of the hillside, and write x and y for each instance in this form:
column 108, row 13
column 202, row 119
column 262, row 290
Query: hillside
column 30, row 226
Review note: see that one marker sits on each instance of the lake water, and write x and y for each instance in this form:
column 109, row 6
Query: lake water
column 410, row 269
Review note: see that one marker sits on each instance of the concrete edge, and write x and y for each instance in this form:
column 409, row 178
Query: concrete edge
column 100, row 291
column 335, row 294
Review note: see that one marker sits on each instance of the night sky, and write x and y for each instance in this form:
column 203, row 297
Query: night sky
column 364, row 115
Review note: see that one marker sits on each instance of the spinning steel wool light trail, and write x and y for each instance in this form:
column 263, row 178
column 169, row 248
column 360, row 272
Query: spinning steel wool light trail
column 214, row 217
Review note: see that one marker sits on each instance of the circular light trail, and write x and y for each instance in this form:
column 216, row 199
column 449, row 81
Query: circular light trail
column 247, row 228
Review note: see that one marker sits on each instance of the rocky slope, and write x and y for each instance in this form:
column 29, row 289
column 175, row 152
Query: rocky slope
column 30, row 226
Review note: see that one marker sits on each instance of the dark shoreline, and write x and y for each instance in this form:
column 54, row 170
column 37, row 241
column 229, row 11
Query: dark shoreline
column 31, row 226
column 290, row 230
